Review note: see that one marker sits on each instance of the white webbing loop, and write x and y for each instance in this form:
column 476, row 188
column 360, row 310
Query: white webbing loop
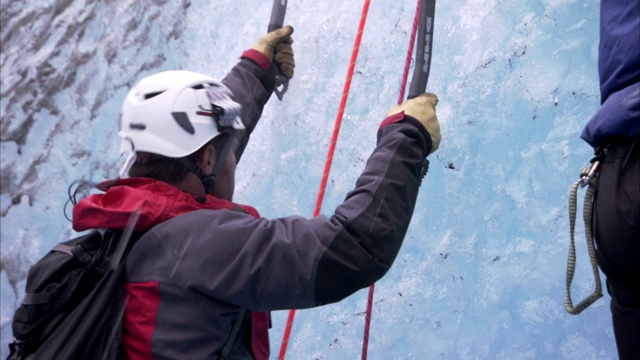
column 588, row 176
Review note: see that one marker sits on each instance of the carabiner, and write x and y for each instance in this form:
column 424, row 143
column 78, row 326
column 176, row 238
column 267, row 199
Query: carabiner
column 589, row 173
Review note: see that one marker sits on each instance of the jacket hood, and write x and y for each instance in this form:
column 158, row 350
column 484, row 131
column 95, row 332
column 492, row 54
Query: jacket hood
column 156, row 201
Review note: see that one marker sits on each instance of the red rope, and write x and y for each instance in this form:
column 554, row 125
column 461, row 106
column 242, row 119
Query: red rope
column 332, row 146
column 367, row 323
column 403, row 85
column 407, row 64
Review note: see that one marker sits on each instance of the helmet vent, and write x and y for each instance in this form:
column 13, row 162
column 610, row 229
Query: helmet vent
column 137, row 126
column 153, row 94
column 183, row 120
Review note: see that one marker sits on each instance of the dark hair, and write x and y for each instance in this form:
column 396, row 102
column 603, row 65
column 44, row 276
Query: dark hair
column 170, row 170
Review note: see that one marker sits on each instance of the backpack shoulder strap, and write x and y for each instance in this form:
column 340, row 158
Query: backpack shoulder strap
column 235, row 331
column 62, row 247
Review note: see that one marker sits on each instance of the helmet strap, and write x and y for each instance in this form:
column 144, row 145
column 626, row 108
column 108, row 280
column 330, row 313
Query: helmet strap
column 208, row 181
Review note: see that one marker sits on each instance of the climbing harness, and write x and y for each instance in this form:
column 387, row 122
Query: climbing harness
column 589, row 178
column 278, row 11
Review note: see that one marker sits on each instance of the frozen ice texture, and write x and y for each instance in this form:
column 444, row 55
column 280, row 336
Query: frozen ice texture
column 482, row 271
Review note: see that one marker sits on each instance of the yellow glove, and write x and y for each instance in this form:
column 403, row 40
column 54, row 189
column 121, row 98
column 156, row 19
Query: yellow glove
column 276, row 45
column 423, row 108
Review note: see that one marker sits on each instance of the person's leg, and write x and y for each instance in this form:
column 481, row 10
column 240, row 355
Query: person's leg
column 617, row 234
column 626, row 321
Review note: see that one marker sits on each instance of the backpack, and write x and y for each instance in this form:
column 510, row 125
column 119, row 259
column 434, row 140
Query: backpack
column 74, row 300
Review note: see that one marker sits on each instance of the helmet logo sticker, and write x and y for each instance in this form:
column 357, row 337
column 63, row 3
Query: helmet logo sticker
column 205, row 112
column 225, row 111
column 183, row 120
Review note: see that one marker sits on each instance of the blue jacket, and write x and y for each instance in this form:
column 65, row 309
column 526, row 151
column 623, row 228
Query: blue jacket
column 619, row 71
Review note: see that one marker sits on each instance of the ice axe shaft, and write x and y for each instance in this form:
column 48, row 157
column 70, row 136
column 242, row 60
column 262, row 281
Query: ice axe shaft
column 423, row 49
column 278, row 11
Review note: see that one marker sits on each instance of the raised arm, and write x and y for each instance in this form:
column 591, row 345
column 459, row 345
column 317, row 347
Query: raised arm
column 252, row 80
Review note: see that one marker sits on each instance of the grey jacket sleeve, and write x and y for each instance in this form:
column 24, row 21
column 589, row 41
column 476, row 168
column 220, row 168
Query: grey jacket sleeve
column 251, row 87
column 295, row 262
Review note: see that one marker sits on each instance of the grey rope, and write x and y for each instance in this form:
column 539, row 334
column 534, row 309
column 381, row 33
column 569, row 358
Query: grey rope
column 587, row 177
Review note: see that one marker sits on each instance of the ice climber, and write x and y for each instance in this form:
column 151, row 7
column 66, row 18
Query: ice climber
column 206, row 271
column 614, row 131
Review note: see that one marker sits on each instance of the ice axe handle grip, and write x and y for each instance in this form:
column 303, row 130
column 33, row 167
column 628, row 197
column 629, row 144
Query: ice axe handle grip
column 277, row 20
column 423, row 49
column 278, row 11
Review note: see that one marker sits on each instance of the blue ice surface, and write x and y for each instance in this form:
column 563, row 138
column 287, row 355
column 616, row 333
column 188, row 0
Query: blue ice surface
column 482, row 272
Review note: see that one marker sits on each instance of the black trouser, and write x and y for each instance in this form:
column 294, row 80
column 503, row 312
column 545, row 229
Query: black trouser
column 616, row 228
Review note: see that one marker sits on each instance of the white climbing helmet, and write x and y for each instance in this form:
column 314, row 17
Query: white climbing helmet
column 174, row 113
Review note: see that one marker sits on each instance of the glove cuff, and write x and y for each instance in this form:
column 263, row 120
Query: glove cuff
column 423, row 130
column 259, row 58
column 401, row 116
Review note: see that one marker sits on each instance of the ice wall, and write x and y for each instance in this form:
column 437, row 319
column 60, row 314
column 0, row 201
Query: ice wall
column 482, row 271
